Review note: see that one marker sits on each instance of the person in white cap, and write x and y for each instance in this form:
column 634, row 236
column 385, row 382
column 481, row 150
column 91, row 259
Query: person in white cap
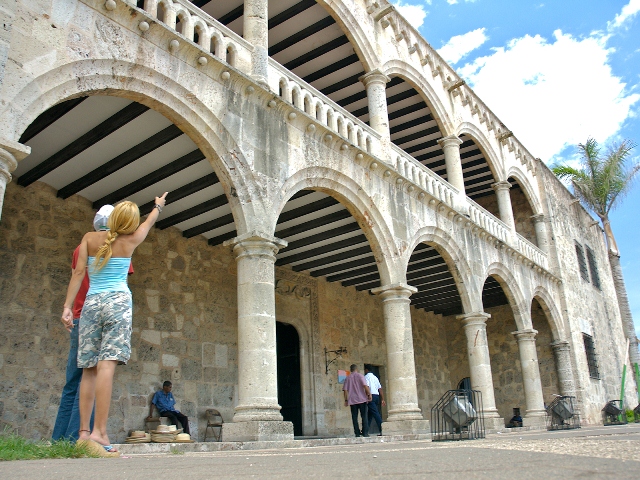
column 68, row 418
column 104, row 335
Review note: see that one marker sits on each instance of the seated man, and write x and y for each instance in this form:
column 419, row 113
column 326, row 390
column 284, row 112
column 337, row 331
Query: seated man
column 516, row 420
column 164, row 402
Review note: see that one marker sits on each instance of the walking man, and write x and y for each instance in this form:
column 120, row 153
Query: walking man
column 376, row 397
column 165, row 403
column 356, row 395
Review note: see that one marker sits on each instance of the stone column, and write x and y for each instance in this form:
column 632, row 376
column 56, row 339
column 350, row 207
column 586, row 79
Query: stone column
column 451, row 147
column 535, row 415
column 562, row 354
column 475, row 329
column 402, row 398
column 504, row 203
column 376, row 84
column 256, row 32
column 10, row 154
column 541, row 232
column 257, row 415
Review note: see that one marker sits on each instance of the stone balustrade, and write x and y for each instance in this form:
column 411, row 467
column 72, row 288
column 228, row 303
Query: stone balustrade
column 488, row 222
column 424, row 178
column 292, row 89
column 199, row 27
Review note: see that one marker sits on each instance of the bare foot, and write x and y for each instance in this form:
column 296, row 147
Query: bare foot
column 102, row 440
column 84, row 434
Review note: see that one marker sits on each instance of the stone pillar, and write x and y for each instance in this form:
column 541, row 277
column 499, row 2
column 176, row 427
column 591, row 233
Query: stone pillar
column 256, row 32
column 475, row 329
column 257, row 415
column 451, row 147
column 562, row 354
column 10, row 154
column 504, row 203
column 402, row 398
column 376, row 84
column 541, row 232
column 535, row 415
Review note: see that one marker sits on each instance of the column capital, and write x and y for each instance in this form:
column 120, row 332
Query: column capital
column 450, row 141
column 374, row 76
column 395, row 290
column 256, row 242
column 525, row 335
column 537, row 218
column 503, row 185
column 560, row 346
column 474, row 318
column 11, row 153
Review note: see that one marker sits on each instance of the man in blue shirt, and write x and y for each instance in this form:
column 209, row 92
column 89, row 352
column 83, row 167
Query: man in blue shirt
column 164, row 402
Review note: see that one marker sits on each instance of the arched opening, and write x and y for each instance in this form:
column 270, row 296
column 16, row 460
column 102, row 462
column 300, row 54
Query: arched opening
column 328, row 247
column 546, row 359
column 438, row 338
column 503, row 349
column 181, row 23
column 522, row 211
column 289, row 375
column 162, row 12
column 231, row 55
column 306, row 39
column 98, row 149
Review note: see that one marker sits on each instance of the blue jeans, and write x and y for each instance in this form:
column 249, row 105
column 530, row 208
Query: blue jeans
column 68, row 419
column 374, row 412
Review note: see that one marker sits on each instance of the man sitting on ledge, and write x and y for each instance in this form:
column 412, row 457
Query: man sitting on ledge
column 164, row 402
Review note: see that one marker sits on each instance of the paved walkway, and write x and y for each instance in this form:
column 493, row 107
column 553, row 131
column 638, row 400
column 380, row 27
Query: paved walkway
column 595, row 452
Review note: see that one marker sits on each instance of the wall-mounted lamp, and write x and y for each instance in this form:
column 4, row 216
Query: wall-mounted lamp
column 339, row 352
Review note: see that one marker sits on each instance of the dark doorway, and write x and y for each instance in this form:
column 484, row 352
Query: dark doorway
column 289, row 387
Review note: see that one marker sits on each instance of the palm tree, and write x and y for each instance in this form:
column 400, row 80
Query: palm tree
column 600, row 185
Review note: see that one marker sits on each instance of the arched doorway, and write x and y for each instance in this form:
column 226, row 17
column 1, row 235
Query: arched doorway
column 289, row 379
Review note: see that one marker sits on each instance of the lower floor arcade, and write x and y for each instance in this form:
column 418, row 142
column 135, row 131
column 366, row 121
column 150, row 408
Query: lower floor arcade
column 199, row 321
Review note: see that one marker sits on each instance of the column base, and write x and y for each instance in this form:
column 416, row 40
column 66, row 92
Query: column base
column 535, row 420
column 406, row 427
column 257, row 431
column 494, row 423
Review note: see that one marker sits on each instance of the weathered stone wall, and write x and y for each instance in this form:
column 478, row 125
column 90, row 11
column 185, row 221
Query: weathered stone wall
column 432, row 350
column 505, row 361
column 184, row 328
column 546, row 359
column 588, row 309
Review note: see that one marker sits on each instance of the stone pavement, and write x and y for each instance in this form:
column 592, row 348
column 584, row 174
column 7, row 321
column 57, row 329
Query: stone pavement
column 595, row 452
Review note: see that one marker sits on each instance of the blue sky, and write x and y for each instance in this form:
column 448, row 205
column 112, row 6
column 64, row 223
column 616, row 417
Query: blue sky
column 555, row 73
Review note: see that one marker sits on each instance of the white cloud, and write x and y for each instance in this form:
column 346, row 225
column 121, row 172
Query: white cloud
column 415, row 14
column 553, row 94
column 460, row 46
column 453, row 2
column 628, row 12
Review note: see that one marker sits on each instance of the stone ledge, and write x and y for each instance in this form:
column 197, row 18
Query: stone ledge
column 204, row 447
column 258, row 431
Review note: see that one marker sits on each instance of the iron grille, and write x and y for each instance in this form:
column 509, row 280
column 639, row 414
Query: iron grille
column 562, row 414
column 458, row 416
column 582, row 263
column 593, row 268
column 592, row 360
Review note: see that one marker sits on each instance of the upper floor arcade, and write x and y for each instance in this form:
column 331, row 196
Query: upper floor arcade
column 338, row 75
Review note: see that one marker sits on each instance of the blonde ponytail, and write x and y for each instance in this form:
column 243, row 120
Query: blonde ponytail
column 124, row 220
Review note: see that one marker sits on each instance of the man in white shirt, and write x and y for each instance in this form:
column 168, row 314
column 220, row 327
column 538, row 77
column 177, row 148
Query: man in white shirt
column 376, row 397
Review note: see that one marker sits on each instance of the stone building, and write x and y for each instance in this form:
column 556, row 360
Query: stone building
column 333, row 184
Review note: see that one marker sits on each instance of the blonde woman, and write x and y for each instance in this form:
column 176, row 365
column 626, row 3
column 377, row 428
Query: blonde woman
column 105, row 322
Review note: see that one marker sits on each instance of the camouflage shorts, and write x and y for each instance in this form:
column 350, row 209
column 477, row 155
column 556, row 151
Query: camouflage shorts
column 105, row 329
